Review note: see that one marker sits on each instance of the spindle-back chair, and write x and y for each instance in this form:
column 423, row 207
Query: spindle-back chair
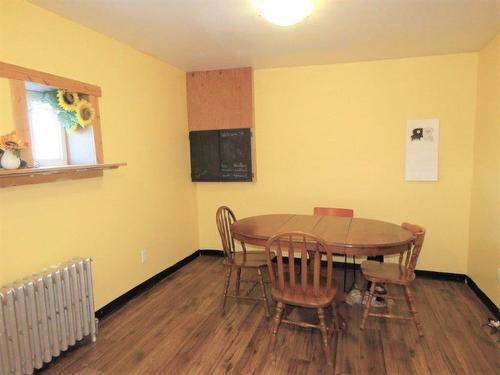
column 402, row 273
column 297, row 285
column 238, row 260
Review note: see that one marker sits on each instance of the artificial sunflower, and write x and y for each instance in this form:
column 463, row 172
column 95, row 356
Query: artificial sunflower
column 67, row 100
column 12, row 142
column 85, row 113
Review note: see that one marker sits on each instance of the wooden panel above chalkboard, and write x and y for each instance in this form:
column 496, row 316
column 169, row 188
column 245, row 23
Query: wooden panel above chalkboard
column 221, row 155
column 220, row 99
column 220, row 121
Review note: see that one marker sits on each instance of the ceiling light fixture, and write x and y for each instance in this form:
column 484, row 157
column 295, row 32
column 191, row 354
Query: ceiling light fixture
column 284, row 12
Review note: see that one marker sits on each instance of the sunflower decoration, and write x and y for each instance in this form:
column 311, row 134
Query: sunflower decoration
column 67, row 100
column 73, row 111
column 72, row 128
column 84, row 113
column 12, row 142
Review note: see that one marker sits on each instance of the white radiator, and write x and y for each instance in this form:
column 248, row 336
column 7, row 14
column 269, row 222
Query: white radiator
column 44, row 314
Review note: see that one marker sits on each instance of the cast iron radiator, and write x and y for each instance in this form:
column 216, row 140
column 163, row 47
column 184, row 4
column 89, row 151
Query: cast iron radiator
column 44, row 314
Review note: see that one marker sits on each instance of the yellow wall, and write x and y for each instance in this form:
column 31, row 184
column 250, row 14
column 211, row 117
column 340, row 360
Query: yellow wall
column 335, row 136
column 484, row 254
column 150, row 204
column 326, row 135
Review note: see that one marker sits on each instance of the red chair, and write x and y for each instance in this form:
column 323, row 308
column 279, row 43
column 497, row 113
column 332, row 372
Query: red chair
column 330, row 211
column 339, row 212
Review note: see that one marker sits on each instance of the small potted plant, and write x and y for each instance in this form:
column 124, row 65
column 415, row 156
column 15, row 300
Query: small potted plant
column 11, row 146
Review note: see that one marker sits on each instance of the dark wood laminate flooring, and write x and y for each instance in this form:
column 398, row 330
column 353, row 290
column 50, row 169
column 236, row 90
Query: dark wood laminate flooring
column 177, row 328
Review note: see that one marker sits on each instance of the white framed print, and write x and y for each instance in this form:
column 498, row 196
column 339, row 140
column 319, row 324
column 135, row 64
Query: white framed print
column 422, row 141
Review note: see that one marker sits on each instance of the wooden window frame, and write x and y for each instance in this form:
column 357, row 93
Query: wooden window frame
column 17, row 77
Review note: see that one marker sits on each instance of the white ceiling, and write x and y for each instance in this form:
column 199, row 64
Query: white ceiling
column 211, row 34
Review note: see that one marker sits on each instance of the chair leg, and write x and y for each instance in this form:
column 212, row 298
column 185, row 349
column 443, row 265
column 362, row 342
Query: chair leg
column 325, row 336
column 338, row 320
column 263, row 292
column 334, row 323
column 238, row 278
column 411, row 305
column 345, row 271
column 226, row 286
column 368, row 305
column 276, row 324
column 354, row 271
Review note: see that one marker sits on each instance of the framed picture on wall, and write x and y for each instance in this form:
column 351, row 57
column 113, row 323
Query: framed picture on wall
column 422, row 141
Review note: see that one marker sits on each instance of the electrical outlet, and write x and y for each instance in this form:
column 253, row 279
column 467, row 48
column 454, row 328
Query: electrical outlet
column 144, row 256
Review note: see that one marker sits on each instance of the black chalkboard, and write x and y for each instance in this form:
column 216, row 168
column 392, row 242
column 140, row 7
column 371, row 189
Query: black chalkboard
column 221, row 155
column 205, row 155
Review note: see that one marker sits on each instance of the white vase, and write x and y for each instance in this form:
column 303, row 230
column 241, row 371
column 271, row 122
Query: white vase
column 10, row 160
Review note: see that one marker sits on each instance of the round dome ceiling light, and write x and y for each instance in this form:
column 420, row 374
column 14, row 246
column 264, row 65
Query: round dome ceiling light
column 284, row 12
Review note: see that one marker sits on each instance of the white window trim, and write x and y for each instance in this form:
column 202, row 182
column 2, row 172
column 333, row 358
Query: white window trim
column 46, row 162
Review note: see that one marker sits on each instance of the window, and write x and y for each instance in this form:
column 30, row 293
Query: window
column 59, row 118
column 48, row 137
column 53, row 143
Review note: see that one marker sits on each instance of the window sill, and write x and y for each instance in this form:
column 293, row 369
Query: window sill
column 27, row 176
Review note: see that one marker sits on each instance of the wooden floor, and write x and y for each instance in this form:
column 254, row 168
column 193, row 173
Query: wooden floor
column 178, row 328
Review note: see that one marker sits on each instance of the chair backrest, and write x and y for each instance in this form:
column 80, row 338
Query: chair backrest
column 299, row 246
column 330, row 211
column 225, row 217
column 410, row 257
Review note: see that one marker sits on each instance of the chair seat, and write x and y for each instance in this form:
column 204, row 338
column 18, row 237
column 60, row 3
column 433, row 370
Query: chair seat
column 298, row 297
column 250, row 259
column 386, row 272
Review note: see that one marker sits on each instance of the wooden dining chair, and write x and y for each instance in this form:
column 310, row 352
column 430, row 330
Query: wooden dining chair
column 339, row 212
column 331, row 211
column 402, row 273
column 296, row 285
column 238, row 260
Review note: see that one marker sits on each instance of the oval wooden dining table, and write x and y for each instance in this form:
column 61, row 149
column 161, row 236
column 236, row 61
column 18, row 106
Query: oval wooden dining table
column 351, row 236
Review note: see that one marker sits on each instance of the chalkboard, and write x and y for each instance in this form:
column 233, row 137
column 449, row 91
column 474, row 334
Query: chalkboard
column 221, row 155
column 205, row 155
